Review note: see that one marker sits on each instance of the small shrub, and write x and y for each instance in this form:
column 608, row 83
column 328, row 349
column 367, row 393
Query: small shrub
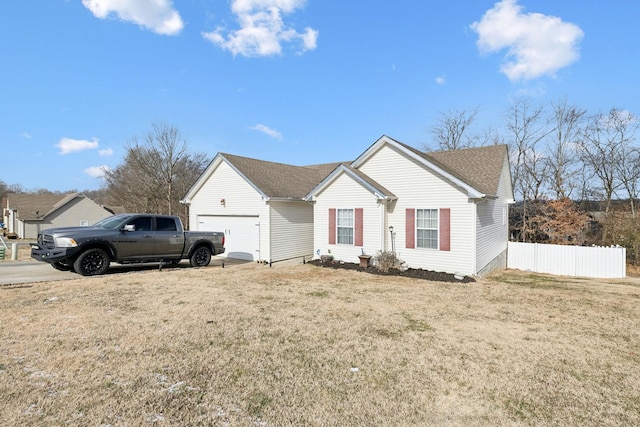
column 386, row 260
column 326, row 259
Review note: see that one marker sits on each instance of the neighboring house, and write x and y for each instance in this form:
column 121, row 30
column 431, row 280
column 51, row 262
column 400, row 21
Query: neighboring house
column 259, row 205
column 25, row 215
column 448, row 210
column 442, row 211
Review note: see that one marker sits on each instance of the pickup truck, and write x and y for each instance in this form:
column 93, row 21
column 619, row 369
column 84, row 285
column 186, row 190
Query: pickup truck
column 125, row 238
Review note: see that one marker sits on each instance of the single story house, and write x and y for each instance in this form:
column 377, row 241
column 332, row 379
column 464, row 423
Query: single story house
column 442, row 211
column 25, row 215
column 259, row 205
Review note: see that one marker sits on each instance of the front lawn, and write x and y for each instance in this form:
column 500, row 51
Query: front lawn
column 251, row 345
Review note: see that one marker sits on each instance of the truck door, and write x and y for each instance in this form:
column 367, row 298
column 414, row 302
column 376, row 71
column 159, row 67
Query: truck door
column 137, row 244
column 168, row 240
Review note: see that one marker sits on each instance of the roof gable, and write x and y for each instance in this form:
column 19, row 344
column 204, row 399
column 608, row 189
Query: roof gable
column 272, row 180
column 361, row 178
column 476, row 170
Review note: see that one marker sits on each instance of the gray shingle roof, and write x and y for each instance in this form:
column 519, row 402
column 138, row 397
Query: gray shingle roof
column 37, row 206
column 278, row 180
column 478, row 167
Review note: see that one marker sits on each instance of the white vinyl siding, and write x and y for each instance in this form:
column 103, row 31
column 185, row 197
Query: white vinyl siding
column 344, row 225
column 417, row 187
column 291, row 230
column 492, row 225
column 285, row 227
column 240, row 200
column 427, row 228
column 344, row 191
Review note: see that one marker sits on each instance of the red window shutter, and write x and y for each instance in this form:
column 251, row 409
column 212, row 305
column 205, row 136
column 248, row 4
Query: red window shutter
column 332, row 226
column 358, row 223
column 445, row 229
column 410, row 228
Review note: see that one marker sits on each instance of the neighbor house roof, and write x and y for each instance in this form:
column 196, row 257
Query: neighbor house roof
column 38, row 206
column 278, row 180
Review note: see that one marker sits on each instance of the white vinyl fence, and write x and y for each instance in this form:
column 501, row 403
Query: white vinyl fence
column 584, row 261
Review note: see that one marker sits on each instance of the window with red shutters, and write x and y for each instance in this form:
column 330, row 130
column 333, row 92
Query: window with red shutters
column 428, row 228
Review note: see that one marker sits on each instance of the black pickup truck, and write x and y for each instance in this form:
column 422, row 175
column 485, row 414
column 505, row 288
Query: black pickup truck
column 125, row 238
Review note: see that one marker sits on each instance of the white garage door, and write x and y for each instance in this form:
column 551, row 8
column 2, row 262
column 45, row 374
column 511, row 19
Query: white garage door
column 242, row 234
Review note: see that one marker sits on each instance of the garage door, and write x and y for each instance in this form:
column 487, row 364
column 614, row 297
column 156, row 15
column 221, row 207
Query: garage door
column 242, row 234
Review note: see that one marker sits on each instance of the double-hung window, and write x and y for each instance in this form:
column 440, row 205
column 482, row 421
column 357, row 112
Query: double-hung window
column 427, row 228
column 344, row 223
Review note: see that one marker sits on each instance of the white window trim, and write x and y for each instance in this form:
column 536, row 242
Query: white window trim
column 436, row 229
column 352, row 226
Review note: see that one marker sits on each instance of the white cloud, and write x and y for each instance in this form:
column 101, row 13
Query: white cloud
column 536, row 44
column 25, row 135
column 68, row 145
column 268, row 131
column 106, row 152
column 158, row 16
column 441, row 80
column 97, row 171
column 262, row 30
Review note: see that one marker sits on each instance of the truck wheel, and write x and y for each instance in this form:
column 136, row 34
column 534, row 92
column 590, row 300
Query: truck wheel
column 92, row 262
column 201, row 257
column 61, row 266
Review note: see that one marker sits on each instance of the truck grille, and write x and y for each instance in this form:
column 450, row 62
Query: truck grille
column 46, row 241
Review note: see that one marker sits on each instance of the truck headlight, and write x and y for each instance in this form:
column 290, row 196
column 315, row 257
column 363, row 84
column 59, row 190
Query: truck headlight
column 65, row 242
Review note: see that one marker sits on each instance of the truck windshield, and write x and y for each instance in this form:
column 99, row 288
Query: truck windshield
column 112, row 221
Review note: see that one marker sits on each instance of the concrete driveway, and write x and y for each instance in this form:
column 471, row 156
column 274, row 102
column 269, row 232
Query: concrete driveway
column 15, row 272
column 19, row 272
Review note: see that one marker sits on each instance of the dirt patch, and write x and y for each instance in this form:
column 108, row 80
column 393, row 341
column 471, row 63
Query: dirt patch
column 413, row 273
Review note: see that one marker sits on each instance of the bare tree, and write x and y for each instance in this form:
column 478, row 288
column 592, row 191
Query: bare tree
column 157, row 171
column 606, row 142
column 562, row 146
column 451, row 132
column 527, row 128
column 628, row 171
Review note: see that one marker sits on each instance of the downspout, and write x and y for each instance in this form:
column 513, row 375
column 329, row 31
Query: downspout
column 383, row 226
column 474, row 257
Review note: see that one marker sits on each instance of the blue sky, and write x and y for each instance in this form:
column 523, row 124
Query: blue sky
column 292, row 81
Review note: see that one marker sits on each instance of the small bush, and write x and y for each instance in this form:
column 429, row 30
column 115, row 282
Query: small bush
column 386, row 260
column 326, row 259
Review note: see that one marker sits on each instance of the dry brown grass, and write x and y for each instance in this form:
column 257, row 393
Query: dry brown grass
column 258, row 346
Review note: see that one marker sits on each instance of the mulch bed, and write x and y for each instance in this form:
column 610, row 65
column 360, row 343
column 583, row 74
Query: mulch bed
column 414, row 273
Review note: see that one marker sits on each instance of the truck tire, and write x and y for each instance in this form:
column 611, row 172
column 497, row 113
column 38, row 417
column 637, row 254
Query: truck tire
column 201, row 257
column 62, row 266
column 92, row 262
